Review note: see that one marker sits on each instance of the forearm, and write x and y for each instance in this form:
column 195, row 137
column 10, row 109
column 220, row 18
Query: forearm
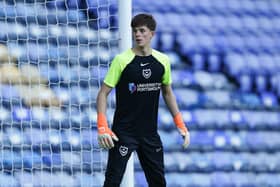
column 170, row 102
column 101, row 103
column 102, row 99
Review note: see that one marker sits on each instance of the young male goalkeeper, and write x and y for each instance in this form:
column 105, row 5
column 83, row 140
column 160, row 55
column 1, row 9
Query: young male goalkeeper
column 138, row 74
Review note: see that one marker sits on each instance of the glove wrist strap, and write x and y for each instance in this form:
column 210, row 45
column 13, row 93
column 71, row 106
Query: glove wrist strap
column 179, row 122
column 102, row 124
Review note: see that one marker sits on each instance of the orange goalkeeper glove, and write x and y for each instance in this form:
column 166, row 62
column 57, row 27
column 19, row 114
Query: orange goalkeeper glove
column 105, row 135
column 178, row 120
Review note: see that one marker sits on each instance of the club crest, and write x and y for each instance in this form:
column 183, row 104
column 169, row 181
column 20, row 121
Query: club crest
column 123, row 150
column 146, row 73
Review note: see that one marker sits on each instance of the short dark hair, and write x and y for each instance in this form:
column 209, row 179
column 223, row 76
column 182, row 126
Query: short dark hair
column 144, row 20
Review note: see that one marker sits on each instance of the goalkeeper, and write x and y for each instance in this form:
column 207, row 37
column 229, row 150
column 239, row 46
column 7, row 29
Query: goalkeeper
column 138, row 74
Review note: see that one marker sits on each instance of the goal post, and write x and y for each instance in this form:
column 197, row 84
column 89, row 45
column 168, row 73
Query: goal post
column 125, row 42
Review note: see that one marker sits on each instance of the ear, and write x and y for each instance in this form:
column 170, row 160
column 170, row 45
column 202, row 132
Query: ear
column 152, row 33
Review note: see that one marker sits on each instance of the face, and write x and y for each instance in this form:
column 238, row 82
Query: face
column 142, row 36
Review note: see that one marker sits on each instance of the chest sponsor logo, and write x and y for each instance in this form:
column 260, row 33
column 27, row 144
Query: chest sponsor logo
column 144, row 87
column 146, row 73
column 132, row 87
column 123, row 150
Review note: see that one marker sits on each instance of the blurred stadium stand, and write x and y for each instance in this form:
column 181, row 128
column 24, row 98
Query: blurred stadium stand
column 225, row 57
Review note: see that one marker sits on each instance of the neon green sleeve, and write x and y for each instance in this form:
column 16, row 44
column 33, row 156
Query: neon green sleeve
column 117, row 66
column 164, row 60
column 167, row 79
column 113, row 75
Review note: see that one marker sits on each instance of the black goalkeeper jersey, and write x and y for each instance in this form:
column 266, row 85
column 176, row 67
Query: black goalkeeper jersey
column 138, row 81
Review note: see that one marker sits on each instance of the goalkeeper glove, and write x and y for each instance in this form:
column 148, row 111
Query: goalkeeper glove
column 105, row 135
column 178, row 120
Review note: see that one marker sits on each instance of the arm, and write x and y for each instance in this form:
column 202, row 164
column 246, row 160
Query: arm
column 171, row 103
column 105, row 135
column 170, row 100
column 102, row 98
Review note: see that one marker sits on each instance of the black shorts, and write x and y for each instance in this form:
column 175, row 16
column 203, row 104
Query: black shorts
column 150, row 153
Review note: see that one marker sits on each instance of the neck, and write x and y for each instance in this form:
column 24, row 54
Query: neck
column 142, row 51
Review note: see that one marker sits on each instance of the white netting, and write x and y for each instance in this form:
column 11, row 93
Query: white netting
column 53, row 57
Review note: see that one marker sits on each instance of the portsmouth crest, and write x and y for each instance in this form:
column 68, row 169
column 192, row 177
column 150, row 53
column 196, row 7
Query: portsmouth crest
column 147, row 73
column 123, row 150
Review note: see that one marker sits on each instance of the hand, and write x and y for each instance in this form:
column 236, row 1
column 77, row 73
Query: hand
column 186, row 136
column 106, row 137
column 178, row 120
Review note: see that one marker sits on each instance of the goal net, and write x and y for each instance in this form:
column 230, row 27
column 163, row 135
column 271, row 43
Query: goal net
column 53, row 58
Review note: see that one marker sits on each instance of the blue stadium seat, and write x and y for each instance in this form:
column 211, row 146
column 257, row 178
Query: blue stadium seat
column 201, row 179
column 71, row 139
column 165, row 120
column 268, row 179
column 24, row 178
column 184, row 161
column 171, row 164
column 183, row 78
column 221, row 119
column 245, row 81
column 221, row 140
column 14, row 136
column 271, row 141
column 175, row 179
column 8, row 180
column 36, row 31
column 255, row 119
column 71, row 161
column 187, row 98
column 140, row 180
column 84, row 179
column 167, row 41
column 202, row 141
column 9, row 95
column 204, row 118
column 221, row 179
column 218, row 98
column 45, row 178
column 250, row 100
column 261, row 83
column 261, row 162
column 234, row 63
column 5, row 116
column 31, row 159
column 51, row 159
column 273, row 162
column 35, row 136
column 89, row 139
column 170, row 140
column 58, row 118
column 10, row 160
column 201, row 163
column 40, row 117
column 238, row 140
column 222, row 161
column 242, row 180
column 256, row 141
column 269, row 100
column 237, row 119
column 189, row 119
column 273, row 122
column 214, row 62
column 241, row 162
